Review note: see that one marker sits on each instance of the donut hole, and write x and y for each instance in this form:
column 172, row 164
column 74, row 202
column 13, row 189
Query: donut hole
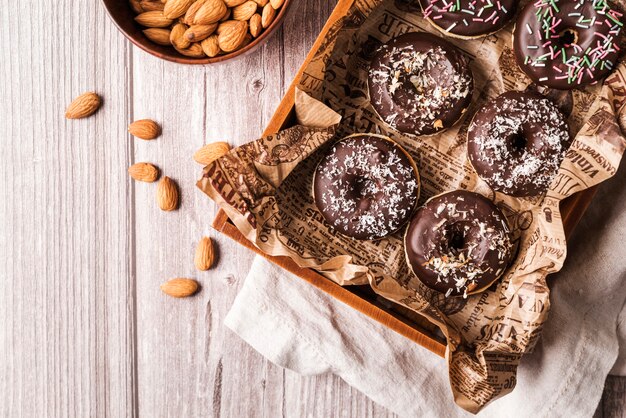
column 455, row 239
column 363, row 193
column 457, row 242
column 568, row 37
column 518, row 143
column 363, row 187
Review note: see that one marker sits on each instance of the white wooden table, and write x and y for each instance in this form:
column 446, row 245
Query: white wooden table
column 84, row 328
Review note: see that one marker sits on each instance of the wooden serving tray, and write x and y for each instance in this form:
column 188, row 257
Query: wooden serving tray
column 362, row 298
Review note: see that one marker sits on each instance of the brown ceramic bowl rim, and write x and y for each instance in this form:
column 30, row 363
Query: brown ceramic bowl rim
column 175, row 56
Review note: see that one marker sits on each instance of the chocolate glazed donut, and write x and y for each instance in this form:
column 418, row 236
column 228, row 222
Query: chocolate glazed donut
column 458, row 243
column 366, row 186
column 419, row 83
column 566, row 44
column 467, row 19
column 516, row 143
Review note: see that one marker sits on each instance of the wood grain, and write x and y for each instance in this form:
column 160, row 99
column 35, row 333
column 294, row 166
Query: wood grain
column 84, row 329
column 66, row 278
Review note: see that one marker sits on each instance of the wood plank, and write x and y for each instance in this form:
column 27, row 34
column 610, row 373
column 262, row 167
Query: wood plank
column 189, row 364
column 66, row 300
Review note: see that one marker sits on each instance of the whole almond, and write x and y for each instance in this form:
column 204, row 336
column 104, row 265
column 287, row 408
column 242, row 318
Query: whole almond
column 191, row 12
column 245, row 11
column 205, row 254
column 255, row 25
column 194, row 51
column 153, row 19
column 167, row 194
column 226, row 25
column 144, row 129
column 276, row 3
column 234, row 3
column 211, row 152
column 136, row 6
column 261, row 3
column 177, row 37
column 231, row 38
column 269, row 13
column 210, row 12
column 158, row 35
column 176, row 8
column 210, row 46
column 197, row 33
column 84, row 105
column 144, row 172
column 180, row 288
column 150, row 6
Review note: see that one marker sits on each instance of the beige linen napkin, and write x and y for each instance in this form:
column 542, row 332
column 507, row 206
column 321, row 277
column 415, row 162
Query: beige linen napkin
column 301, row 328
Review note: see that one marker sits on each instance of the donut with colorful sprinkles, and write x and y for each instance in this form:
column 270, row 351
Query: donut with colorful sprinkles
column 467, row 19
column 567, row 44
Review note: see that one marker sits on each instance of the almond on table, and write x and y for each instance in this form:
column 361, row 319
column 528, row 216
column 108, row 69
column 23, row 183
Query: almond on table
column 205, row 254
column 144, row 172
column 83, row 106
column 180, row 287
column 167, row 194
column 144, row 129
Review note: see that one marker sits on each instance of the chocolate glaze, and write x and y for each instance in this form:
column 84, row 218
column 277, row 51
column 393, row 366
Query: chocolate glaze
column 420, row 83
column 567, row 44
column 366, row 186
column 469, row 18
column 516, row 143
column 458, row 243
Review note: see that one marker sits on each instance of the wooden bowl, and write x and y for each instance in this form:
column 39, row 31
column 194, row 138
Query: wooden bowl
column 124, row 18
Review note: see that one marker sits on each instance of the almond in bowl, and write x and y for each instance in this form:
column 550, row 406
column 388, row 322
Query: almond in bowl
column 197, row 31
